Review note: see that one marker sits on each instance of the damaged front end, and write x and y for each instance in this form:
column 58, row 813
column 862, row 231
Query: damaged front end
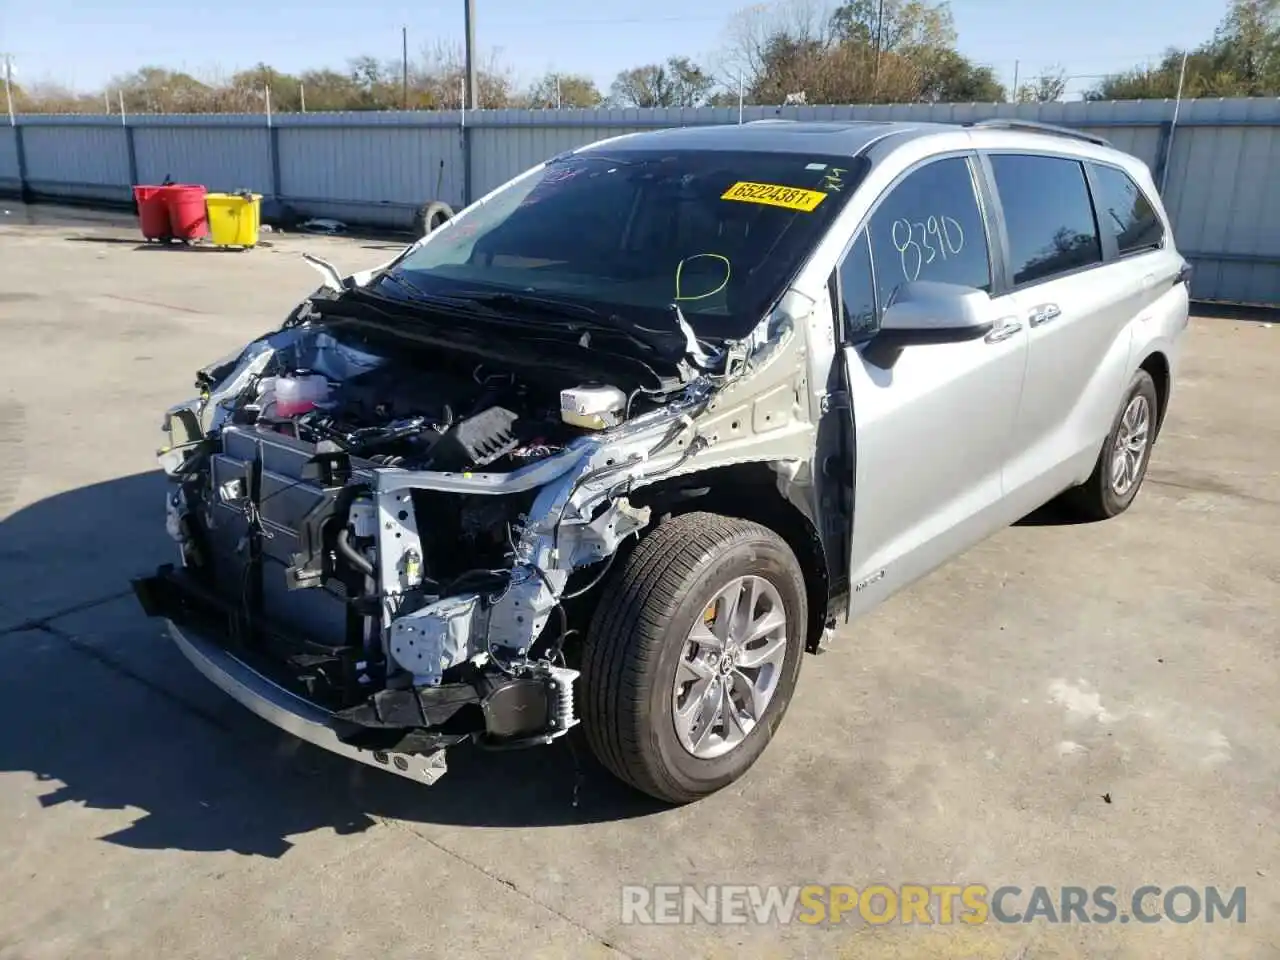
column 383, row 528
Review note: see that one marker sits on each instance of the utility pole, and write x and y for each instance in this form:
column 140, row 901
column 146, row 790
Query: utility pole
column 1016, row 64
column 404, row 64
column 1173, row 125
column 875, row 77
column 8, row 86
column 472, row 85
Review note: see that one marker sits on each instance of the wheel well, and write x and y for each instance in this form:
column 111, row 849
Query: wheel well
column 750, row 492
column 1157, row 365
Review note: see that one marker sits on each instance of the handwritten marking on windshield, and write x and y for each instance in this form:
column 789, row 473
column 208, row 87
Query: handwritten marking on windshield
column 916, row 254
column 728, row 269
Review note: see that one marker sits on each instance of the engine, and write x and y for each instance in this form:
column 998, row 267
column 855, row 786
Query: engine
column 401, row 415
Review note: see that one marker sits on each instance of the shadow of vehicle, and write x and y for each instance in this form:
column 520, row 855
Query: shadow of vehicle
column 98, row 701
column 1055, row 513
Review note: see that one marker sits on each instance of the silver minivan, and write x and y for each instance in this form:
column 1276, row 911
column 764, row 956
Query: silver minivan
column 619, row 443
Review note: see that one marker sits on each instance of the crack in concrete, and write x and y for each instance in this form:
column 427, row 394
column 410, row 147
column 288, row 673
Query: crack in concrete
column 576, row 924
column 40, row 623
column 115, row 666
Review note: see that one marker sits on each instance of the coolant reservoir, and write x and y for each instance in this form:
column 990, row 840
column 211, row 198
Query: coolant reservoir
column 299, row 393
column 595, row 406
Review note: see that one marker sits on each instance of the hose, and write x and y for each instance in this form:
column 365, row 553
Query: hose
column 353, row 555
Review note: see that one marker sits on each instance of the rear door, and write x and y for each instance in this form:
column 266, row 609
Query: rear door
column 1076, row 309
column 932, row 425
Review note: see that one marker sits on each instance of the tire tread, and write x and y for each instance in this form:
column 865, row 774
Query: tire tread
column 627, row 634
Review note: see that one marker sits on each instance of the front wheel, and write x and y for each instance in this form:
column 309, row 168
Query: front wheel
column 692, row 655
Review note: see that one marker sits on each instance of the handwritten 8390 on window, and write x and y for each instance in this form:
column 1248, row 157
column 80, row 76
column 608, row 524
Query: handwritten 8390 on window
column 921, row 242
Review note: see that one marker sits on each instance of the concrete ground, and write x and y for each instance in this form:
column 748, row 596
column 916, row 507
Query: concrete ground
column 1064, row 705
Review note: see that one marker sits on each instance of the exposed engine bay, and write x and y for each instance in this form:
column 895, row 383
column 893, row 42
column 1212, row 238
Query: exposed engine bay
column 388, row 529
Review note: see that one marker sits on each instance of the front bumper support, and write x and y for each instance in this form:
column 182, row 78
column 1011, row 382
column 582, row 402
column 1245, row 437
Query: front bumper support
column 291, row 713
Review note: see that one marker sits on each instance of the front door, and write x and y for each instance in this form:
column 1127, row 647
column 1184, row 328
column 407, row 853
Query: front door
column 932, row 425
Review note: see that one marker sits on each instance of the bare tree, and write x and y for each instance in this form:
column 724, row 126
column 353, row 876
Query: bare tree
column 439, row 74
column 1046, row 88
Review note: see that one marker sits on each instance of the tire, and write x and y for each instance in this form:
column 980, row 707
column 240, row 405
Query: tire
column 431, row 216
column 637, row 639
column 1098, row 498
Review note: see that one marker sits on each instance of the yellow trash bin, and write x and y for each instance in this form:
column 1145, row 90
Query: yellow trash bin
column 234, row 218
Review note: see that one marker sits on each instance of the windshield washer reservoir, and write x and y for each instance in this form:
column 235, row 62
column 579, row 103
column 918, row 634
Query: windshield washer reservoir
column 595, row 406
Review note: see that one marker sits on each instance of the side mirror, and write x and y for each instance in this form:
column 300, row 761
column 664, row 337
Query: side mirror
column 927, row 312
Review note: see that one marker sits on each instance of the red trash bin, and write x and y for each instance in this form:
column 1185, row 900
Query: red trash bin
column 153, row 212
column 188, row 218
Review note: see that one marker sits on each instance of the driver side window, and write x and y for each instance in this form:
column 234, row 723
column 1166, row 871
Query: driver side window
column 930, row 227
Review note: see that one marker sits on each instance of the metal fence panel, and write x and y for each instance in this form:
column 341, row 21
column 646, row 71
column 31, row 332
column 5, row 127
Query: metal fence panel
column 499, row 153
column 381, row 172
column 220, row 157
column 77, row 160
column 9, row 157
column 1222, row 190
column 1223, row 197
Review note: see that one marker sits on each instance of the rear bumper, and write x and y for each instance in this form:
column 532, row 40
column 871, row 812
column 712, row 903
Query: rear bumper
column 291, row 713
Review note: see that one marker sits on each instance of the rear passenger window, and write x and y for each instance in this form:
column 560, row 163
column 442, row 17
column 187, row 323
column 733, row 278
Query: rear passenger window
column 930, row 227
column 1125, row 212
column 857, row 293
column 1048, row 215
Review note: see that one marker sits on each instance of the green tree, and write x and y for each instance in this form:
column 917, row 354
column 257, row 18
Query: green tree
column 950, row 77
column 249, row 86
column 157, row 90
column 326, row 90
column 679, row 82
column 1242, row 59
column 566, row 90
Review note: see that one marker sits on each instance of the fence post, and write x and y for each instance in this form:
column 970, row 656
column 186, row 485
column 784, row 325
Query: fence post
column 1159, row 173
column 19, row 148
column 274, row 141
column 466, row 166
column 133, row 154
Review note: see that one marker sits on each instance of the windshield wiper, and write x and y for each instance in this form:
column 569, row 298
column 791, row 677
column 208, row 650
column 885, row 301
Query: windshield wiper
column 534, row 303
column 578, row 315
column 405, row 284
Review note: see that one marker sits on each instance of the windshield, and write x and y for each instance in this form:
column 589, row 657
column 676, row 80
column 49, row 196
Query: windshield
column 629, row 233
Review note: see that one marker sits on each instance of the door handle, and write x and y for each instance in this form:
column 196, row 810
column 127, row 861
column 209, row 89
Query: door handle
column 1044, row 313
column 1005, row 328
column 1148, row 281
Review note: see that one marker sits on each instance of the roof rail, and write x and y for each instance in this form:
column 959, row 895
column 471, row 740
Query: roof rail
column 1034, row 126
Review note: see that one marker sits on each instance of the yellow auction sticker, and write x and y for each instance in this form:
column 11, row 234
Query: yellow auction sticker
column 773, row 195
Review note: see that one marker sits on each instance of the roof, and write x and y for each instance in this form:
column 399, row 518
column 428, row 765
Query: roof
column 838, row 137
column 835, row 137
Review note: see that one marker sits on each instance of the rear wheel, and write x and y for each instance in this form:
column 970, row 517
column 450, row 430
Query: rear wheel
column 1122, row 464
column 692, row 655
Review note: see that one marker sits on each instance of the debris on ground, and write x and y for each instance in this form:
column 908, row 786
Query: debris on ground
column 324, row 225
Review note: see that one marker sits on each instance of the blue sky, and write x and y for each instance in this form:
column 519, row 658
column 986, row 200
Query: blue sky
column 81, row 44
